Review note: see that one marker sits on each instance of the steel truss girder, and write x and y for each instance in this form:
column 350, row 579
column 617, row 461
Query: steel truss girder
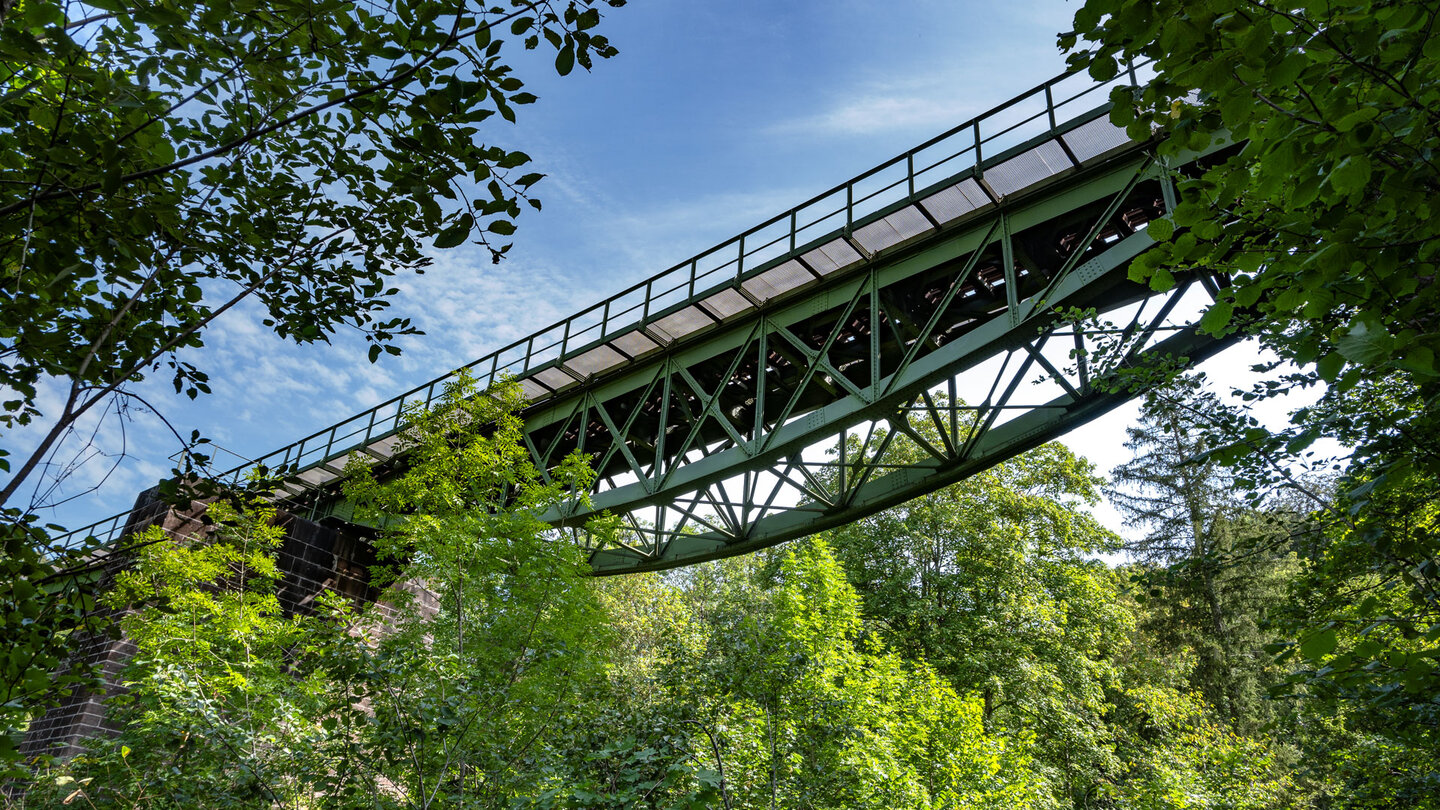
column 737, row 476
column 858, row 476
column 714, row 449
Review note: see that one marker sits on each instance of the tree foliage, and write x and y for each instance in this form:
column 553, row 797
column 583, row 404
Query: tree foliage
column 1215, row 568
column 41, row 606
column 1325, row 222
column 443, row 695
column 989, row 580
column 966, row 649
column 983, row 661
column 1325, row 217
column 790, row 702
column 165, row 161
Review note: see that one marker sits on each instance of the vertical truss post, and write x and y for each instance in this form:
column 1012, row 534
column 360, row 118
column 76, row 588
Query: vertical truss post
column 762, row 383
column 1007, row 258
column 875, row 314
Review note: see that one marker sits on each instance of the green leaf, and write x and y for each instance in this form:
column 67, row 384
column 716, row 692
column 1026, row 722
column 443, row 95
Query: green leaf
column 1104, row 68
column 1364, row 343
column 513, row 159
column 455, row 234
column 1216, row 319
column 1160, row 229
column 1330, row 366
column 1319, row 645
column 565, row 59
column 1420, row 360
column 1351, row 175
column 1348, row 121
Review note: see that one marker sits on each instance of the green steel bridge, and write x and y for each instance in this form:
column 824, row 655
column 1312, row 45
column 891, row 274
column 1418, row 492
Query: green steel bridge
column 758, row 392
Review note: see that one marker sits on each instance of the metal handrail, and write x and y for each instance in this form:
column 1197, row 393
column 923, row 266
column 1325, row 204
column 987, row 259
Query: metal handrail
column 567, row 338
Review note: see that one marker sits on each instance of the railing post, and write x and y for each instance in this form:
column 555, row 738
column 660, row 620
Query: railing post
column 910, row 171
column 979, row 158
column 1050, row 105
column 792, row 230
column 604, row 325
column 740, row 259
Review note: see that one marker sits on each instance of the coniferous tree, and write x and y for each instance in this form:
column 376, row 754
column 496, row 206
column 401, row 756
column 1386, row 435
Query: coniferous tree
column 1206, row 555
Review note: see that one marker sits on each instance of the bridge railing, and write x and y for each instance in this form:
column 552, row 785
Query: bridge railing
column 659, row 307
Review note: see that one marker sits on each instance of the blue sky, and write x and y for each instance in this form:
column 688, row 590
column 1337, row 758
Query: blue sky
column 713, row 117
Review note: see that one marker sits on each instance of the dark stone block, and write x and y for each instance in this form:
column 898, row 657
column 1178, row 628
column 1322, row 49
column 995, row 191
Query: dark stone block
column 312, row 559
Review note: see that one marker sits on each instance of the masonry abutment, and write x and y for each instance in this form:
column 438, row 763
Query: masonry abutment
column 312, row 559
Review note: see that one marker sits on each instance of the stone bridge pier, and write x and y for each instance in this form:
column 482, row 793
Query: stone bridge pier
column 313, row 558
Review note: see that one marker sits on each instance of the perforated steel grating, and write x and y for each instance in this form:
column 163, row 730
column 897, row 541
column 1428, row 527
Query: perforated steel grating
column 554, row 378
column 531, row 388
column 1028, row 168
column 1094, row 138
column 956, row 201
column 316, row 476
column 777, row 280
column 893, row 229
column 679, row 324
column 634, row 343
column 725, row 303
column 828, row 258
column 384, row 447
column 595, row 360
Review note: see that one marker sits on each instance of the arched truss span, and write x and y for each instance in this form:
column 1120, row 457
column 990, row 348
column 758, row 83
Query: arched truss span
column 776, row 423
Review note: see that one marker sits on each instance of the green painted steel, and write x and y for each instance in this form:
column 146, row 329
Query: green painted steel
column 758, row 392
column 846, row 369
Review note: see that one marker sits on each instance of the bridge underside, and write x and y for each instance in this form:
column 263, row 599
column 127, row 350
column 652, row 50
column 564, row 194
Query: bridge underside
column 906, row 369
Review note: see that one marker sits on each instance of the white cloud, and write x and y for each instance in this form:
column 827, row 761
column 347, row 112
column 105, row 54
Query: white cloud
column 880, row 110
